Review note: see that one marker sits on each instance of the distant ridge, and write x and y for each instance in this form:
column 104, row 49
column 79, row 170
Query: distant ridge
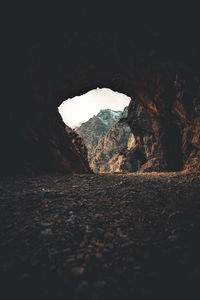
column 97, row 127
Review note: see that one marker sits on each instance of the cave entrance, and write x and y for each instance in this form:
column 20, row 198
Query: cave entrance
column 99, row 118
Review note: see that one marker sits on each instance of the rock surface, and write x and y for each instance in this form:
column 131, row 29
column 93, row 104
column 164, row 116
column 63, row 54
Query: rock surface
column 153, row 57
column 148, row 149
column 187, row 111
column 107, row 155
column 105, row 236
column 169, row 136
column 80, row 147
column 97, row 127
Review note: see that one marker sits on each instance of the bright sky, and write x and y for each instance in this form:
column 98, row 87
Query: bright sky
column 80, row 108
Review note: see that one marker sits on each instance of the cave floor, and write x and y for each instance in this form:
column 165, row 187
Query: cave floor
column 105, row 236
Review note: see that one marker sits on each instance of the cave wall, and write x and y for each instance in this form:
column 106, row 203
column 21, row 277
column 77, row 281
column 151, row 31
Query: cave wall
column 167, row 132
column 151, row 59
column 158, row 146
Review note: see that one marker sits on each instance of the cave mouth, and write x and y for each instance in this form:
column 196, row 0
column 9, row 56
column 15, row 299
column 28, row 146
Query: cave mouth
column 99, row 119
column 109, row 141
column 80, row 109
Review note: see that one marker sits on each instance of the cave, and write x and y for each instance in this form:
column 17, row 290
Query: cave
column 98, row 120
column 160, row 78
column 66, row 231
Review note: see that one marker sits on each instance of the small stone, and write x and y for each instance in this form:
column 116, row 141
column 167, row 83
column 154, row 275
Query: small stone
column 137, row 267
column 175, row 215
column 173, row 238
column 79, row 256
column 46, row 224
column 87, row 257
column 77, row 271
column 88, row 229
column 47, row 232
column 70, row 260
column 108, row 235
column 99, row 255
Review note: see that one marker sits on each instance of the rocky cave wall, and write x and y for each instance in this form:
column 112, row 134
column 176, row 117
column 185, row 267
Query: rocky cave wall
column 156, row 63
column 168, row 135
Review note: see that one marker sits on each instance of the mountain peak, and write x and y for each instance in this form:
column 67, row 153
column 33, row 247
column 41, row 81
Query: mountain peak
column 97, row 127
column 109, row 116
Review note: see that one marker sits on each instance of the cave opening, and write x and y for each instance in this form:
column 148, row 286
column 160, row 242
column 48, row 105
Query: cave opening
column 99, row 118
column 67, row 233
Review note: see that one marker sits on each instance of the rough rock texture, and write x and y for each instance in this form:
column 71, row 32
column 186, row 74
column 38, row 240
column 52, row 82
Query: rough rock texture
column 109, row 116
column 151, row 55
column 80, row 147
column 96, row 128
column 47, row 148
column 130, row 159
column 106, row 157
column 105, row 237
column 187, row 111
column 148, row 149
column 171, row 142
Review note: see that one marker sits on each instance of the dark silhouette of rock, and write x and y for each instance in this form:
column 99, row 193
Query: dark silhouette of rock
column 80, row 147
column 151, row 55
column 148, row 148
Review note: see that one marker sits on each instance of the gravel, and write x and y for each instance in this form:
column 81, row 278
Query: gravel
column 104, row 236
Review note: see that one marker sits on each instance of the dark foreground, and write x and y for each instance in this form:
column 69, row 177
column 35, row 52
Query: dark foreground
column 134, row 236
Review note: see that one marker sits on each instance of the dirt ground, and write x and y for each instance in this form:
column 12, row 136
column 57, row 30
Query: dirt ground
column 105, row 236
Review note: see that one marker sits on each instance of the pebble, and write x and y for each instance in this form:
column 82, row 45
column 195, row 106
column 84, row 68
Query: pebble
column 173, row 238
column 47, row 232
column 78, row 271
column 99, row 255
column 108, row 235
column 83, row 237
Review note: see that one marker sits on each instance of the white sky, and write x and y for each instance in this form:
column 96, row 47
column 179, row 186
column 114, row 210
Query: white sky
column 80, row 108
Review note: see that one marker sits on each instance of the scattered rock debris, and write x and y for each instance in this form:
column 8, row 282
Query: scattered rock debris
column 105, row 236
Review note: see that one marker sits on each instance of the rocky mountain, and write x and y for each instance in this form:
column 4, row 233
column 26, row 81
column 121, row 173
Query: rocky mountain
column 109, row 117
column 129, row 150
column 97, row 127
column 112, row 146
column 106, row 156
column 126, row 160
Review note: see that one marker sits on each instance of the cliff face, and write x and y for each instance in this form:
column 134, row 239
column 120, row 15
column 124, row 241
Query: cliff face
column 165, row 138
column 186, row 110
column 148, row 149
column 105, row 156
column 135, row 148
column 96, row 128
column 168, row 135
column 114, row 149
